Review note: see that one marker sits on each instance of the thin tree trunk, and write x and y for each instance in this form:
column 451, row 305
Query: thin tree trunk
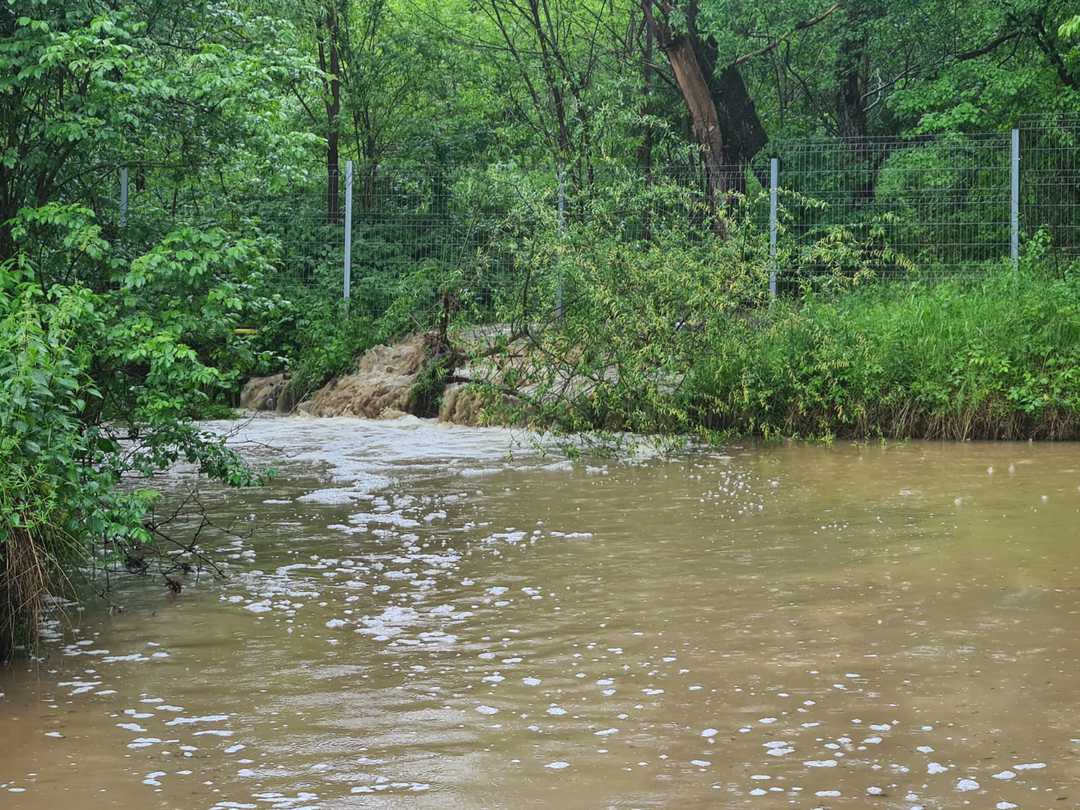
column 330, row 64
column 645, row 151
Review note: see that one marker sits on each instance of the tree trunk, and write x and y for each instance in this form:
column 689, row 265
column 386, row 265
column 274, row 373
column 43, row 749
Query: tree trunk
column 645, row 150
column 850, row 66
column 852, row 71
column 330, row 64
column 724, row 122
column 704, row 117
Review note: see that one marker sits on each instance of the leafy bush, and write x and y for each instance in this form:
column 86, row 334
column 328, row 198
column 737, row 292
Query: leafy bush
column 97, row 390
column 57, row 475
column 327, row 345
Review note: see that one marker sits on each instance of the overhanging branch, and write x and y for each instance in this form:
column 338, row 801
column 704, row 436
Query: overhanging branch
column 802, row 25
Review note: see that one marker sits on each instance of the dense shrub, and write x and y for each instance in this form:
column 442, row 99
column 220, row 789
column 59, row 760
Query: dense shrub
column 98, row 390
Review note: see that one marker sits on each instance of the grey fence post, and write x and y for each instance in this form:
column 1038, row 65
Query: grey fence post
column 123, row 196
column 1014, row 202
column 347, row 270
column 774, row 173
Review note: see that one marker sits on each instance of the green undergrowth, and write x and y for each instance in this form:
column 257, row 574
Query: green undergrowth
column 327, row 345
column 997, row 358
column 992, row 357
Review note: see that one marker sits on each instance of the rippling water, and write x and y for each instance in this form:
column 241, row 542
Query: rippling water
column 422, row 616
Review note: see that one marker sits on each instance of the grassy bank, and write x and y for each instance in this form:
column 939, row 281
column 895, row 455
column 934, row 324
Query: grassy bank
column 998, row 358
column 994, row 357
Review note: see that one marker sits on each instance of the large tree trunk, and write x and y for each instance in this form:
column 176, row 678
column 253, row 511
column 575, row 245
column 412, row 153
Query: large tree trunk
column 724, row 121
column 739, row 121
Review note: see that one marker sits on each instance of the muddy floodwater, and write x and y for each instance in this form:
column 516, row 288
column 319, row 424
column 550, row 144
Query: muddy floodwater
column 418, row 616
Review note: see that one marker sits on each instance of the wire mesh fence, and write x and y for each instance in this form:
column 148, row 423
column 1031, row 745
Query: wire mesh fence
column 939, row 205
column 928, row 206
column 1050, row 183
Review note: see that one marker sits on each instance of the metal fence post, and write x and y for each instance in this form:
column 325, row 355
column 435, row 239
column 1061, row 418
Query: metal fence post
column 774, row 173
column 123, row 196
column 1014, row 202
column 347, row 270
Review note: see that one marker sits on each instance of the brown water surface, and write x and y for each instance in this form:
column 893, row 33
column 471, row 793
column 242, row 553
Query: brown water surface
column 419, row 616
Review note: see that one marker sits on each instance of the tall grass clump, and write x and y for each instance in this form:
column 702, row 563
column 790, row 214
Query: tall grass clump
column 995, row 357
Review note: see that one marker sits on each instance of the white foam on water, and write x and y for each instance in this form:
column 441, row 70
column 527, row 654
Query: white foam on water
column 187, row 721
column 334, row 496
column 390, row 623
column 360, row 451
column 389, row 518
column 778, row 748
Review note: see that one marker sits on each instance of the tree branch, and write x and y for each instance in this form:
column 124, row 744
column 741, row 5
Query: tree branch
column 802, row 25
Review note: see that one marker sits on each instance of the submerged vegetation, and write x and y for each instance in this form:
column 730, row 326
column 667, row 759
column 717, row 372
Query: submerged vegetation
column 172, row 213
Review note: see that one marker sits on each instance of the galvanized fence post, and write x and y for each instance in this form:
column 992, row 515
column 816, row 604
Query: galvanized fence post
column 123, row 195
column 347, row 270
column 774, row 172
column 1014, row 202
